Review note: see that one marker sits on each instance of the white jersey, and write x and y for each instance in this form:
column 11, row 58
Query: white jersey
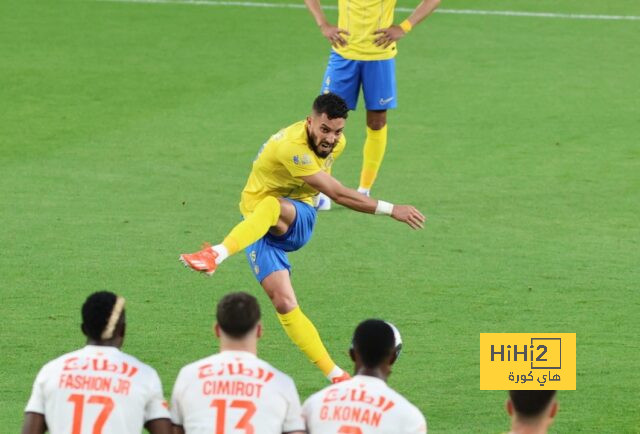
column 361, row 405
column 97, row 389
column 235, row 392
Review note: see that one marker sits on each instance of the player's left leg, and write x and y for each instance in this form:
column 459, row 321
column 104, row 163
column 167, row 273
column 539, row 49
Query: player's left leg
column 379, row 88
column 269, row 214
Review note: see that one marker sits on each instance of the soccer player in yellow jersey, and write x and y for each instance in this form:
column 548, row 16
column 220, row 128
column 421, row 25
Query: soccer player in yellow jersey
column 276, row 203
column 364, row 48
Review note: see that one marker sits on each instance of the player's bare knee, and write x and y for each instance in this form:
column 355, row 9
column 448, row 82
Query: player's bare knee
column 283, row 300
column 284, row 303
column 377, row 124
column 376, row 119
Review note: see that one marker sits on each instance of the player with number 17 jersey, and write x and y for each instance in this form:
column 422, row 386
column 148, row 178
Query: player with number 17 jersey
column 97, row 389
column 235, row 392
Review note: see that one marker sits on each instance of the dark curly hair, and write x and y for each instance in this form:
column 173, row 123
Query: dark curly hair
column 96, row 311
column 374, row 341
column 331, row 105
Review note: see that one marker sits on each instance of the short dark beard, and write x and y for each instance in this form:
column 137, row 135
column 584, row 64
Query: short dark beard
column 311, row 142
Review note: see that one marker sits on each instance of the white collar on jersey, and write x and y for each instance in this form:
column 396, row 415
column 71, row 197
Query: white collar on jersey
column 102, row 348
column 369, row 379
column 238, row 353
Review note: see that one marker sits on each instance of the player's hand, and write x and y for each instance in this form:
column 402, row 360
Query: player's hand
column 388, row 36
column 408, row 215
column 334, row 35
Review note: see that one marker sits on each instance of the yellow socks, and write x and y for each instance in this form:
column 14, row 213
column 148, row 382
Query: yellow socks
column 374, row 147
column 253, row 227
column 304, row 334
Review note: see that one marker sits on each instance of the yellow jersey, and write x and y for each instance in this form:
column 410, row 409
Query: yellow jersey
column 280, row 163
column 361, row 18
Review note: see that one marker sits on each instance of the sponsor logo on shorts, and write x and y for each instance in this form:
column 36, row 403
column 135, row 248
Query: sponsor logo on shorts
column 385, row 101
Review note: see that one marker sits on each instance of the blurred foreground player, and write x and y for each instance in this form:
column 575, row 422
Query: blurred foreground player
column 98, row 389
column 365, row 404
column 235, row 391
column 531, row 411
column 277, row 206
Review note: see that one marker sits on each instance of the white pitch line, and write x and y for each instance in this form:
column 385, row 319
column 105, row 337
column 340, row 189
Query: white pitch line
column 400, row 9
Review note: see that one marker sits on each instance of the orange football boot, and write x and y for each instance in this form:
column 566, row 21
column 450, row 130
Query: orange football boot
column 340, row 378
column 204, row 260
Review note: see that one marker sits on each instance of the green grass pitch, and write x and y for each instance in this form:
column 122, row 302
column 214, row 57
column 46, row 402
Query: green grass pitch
column 127, row 132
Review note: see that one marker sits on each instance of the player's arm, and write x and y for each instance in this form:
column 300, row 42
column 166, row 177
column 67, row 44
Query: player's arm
column 350, row 198
column 393, row 33
column 332, row 33
column 156, row 413
column 178, row 429
column 34, row 423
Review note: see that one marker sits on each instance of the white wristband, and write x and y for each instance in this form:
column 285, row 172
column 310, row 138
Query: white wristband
column 384, row 208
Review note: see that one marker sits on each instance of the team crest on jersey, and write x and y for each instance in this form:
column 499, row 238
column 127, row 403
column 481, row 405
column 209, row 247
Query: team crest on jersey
column 303, row 159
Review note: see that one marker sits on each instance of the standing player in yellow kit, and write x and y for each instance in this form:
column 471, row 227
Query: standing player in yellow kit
column 363, row 54
column 278, row 216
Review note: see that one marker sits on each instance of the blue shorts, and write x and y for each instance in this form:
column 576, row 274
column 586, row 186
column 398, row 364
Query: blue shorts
column 268, row 254
column 377, row 77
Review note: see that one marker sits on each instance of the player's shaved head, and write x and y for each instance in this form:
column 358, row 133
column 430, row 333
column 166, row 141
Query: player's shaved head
column 531, row 403
column 103, row 317
column 237, row 314
column 373, row 342
column 332, row 105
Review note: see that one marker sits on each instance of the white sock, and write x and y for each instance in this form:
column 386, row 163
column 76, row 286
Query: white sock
column 364, row 191
column 222, row 252
column 335, row 372
column 322, row 202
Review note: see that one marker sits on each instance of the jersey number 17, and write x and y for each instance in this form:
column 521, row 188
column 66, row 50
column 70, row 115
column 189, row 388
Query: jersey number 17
column 77, row 400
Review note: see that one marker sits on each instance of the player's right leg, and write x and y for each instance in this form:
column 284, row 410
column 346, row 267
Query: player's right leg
column 343, row 78
column 297, row 325
column 374, row 148
column 267, row 214
column 270, row 265
column 380, row 94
